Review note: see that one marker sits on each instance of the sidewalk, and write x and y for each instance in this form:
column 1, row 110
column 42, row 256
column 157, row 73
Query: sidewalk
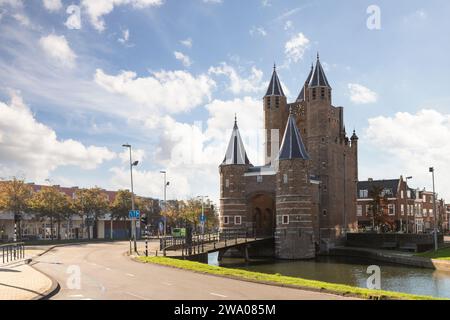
column 19, row 281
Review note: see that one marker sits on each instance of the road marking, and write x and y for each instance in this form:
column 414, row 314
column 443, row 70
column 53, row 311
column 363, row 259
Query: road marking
column 76, row 296
column 217, row 295
column 109, row 269
column 130, row 275
column 167, row 284
column 136, row 296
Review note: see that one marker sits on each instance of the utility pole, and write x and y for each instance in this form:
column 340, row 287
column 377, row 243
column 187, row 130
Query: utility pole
column 407, row 206
column 166, row 183
column 434, row 212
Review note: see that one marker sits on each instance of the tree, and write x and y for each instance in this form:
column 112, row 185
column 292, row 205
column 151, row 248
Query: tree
column 91, row 204
column 121, row 205
column 51, row 203
column 15, row 197
column 380, row 209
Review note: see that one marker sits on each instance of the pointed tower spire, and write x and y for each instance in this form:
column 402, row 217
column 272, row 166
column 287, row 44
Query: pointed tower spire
column 319, row 79
column 292, row 146
column 301, row 96
column 235, row 152
column 275, row 88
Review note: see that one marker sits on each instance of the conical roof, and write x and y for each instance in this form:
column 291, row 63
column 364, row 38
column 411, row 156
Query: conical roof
column 292, row 146
column 275, row 88
column 319, row 79
column 301, row 96
column 235, row 152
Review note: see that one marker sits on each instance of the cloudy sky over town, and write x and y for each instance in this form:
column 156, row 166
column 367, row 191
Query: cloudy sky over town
column 80, row 78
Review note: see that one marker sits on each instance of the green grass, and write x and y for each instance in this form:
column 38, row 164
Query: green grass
column 278, row 279
column 440, row 254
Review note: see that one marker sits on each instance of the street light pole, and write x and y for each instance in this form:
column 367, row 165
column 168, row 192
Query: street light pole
column 203, row 214
column 434, row 212
column 165, row 192
column 133, row 222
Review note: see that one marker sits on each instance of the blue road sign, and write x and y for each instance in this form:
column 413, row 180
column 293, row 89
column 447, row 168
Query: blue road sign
column 134, row 214
column 202, row 218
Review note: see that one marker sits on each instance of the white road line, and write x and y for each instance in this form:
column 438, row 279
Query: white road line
column 75, row 296
column 130, row 275
column 167, row 284
column 136, row 296
column 217, row 295
column 109, row 269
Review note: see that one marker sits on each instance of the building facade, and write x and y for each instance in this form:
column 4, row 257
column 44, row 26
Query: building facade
column 305, row 193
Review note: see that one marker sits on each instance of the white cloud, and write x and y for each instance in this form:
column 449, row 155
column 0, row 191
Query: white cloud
column 99, row 8
column 136, row 154
column 52, row 5
column 29, row 146
column 185, row 60
column 237, row 84
column 212, row 1
column 58, row 49
column 167, row 91
column 187, row 42
column 288, row 25
column 414, row 142
column 74, row 19
column 296, row 46
column 125, row 36
column 12, row 3
column 22, row 19
column 266, row 3
column 258, row 31
column 361, row 95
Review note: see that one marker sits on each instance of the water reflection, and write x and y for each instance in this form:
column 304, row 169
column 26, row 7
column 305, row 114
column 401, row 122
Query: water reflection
column 352, row 271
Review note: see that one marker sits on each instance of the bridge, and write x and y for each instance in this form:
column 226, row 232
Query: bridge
column 200, row 245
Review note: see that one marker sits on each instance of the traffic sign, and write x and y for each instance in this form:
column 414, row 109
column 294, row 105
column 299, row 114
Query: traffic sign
column 134, row 214
column 202, row 218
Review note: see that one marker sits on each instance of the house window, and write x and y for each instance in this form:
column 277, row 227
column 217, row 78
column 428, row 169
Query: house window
column 363, row 193
column 227, row 183
column 285, row 178
column 285, row 219
column 408, row 194
column 226, row 220
column 359, row 210
column 401, row 194
column 259, row 179
column 314, row 94
column 369, row 210
column 391, row 209
column 424, row 212
column 424, row 198
column 402, row 209
column 324, row 212
column 237, row 220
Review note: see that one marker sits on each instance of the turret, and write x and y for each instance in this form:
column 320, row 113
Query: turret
column 232, row 183
column 319, row 87
column 275, row 115
column 294, row 236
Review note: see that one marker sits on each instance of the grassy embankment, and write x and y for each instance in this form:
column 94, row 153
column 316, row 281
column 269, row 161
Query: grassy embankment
column 277, row 279
column 440, row 254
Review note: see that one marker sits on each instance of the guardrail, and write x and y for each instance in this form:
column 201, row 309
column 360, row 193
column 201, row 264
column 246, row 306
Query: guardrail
column 12, row 251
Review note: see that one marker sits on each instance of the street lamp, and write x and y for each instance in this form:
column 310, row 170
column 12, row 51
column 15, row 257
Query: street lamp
column 133, row 224
column 407, row 206
column 203, row 214
column 434, row 211
column 166, row 183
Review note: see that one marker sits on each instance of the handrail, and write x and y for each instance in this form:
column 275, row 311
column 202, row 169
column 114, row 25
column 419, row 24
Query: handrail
column 12, row 251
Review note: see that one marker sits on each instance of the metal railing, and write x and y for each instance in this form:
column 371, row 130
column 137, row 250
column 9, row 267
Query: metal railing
column 12, row 251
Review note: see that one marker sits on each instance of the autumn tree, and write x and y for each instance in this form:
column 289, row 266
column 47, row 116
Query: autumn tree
column 15, row 197
column 50, row 203
column 380, row 211
column 91, row 204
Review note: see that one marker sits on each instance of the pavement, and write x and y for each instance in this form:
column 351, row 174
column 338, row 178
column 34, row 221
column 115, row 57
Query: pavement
column 104, row 271
column 20, row 281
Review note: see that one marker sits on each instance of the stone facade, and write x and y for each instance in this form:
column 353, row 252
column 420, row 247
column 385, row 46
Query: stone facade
column 313, row 190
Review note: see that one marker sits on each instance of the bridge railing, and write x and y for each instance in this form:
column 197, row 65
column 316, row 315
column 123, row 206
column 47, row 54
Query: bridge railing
column 171, row 242
column 12, row 252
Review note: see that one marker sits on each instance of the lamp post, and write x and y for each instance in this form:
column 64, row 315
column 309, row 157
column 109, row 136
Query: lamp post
column 166, row 183
column 133, row 223
column 203, row 214
column 434, row 211
column 407, row 206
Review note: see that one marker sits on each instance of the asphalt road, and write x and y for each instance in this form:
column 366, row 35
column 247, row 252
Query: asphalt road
column 103, row 271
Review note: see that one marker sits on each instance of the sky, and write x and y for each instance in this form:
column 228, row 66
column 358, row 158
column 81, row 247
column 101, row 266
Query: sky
column 80, row 78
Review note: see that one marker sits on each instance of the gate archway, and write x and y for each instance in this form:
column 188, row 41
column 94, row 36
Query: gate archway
column 262, row 214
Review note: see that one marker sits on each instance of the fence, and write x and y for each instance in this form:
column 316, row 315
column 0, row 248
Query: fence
column 12, row 251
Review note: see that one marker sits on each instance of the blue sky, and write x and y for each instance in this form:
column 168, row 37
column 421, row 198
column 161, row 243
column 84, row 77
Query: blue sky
column 167, row 77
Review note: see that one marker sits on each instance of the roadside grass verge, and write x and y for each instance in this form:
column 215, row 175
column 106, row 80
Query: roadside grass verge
column 276, row 279
column 440, row 254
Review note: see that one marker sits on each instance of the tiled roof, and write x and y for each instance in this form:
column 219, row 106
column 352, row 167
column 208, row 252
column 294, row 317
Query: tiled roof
column 275, row 88
column 292, row 146
column 319, row 79
column 235, row 152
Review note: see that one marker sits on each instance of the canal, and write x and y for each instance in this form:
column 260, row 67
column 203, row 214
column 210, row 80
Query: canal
column 350, row 271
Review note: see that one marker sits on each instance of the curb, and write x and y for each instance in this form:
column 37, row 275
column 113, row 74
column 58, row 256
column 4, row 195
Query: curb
column 54, row 288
